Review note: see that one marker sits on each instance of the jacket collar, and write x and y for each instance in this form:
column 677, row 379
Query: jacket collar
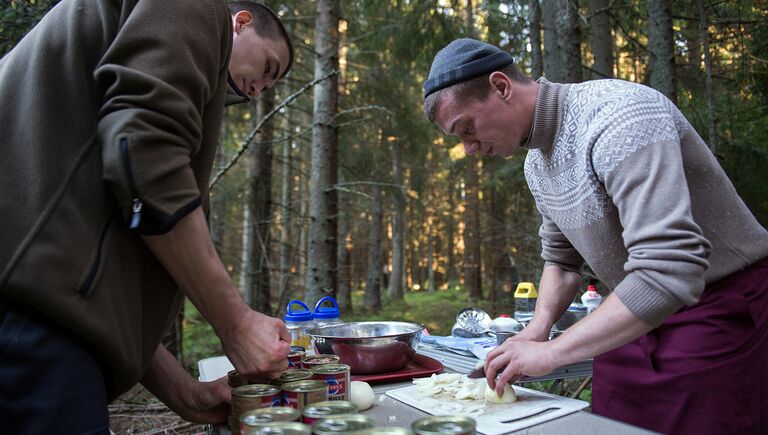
column 548, row 115
column 234, row 94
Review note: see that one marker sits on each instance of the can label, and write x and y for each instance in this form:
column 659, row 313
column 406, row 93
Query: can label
column 299, row 394
column 310, row 362
column 294, row 359
column 249, row 397
column 337, row 378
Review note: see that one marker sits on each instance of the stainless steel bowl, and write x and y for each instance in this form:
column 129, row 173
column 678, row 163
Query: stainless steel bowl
column 369, row 347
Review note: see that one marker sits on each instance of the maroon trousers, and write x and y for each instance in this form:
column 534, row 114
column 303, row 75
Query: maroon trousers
column 703, row 371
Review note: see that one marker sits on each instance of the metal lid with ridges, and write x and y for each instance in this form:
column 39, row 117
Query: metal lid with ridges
column 328, row 369
column 341, row 424
column 306, row 385
column 330, row 407
column 255, row 390
column 443, row 425
column 267, row 415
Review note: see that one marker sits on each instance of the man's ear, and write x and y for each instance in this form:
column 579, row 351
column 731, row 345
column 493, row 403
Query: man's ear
column 241, row 20
column 501, row 84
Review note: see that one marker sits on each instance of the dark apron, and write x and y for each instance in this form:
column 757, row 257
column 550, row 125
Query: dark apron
column 703, row 371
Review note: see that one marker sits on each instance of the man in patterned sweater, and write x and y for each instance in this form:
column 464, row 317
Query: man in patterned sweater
column 624, row 183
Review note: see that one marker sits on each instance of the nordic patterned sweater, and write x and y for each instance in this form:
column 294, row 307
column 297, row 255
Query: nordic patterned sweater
column 625, row 183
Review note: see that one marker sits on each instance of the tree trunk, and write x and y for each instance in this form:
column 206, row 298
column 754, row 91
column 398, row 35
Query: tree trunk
column 397, row 279
column 375, row 264
column 286, row 199
column 344, row 289
column 256, row 270
column 472, row 260
column 569, row 40
column 321, row 256
column 537, row 61
column 218, row 208
column 552, row 66
column 452, row 275
column 601, row 38
column 711, row 114
column 661, row 46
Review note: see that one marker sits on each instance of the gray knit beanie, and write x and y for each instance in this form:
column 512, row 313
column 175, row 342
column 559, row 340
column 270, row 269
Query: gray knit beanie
column 461, row 60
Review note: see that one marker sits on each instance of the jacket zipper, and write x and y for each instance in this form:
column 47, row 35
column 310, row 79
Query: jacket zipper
column 86, row 287
column 136, row 204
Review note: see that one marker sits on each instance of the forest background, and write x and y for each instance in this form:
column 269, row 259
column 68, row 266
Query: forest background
column 334, row 183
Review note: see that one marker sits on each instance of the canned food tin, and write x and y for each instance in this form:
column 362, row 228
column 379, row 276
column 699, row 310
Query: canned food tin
column 340, row 424
column 249, row 397
column 278, row 428
column 299, row 394
column 384, row 430
column 268, row 415
column 294, row 359
column 444, row 425
column 293, row 375
column 309, row 362
column 319, row 410
column 337, row 378
column 235, row 380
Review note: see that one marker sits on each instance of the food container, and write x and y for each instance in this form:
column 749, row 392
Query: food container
column 444, row 425
column 317, row 411
column 294, row 359
column 370, row 347
column 310, row 362
column 292, row 375
column 235, row 380
column 337, row 378
column 246, row 398
column 298, row 322
column 299, row 394
column 384, row 430
column 279, row 428
column 342, row 424
column 269, row 415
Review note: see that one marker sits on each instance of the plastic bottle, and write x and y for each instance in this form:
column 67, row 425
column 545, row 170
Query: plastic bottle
column 591, row 298
column 326, row 316
column 298, row 324
column 525, row 297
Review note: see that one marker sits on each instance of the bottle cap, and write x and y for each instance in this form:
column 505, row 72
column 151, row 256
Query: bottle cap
column 326, row 313
column 297, row 316
column 503, row 315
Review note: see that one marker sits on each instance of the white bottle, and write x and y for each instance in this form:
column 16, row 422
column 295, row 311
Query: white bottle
column 591, row 298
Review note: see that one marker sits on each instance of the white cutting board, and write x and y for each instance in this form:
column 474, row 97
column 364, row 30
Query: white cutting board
column 527, row 411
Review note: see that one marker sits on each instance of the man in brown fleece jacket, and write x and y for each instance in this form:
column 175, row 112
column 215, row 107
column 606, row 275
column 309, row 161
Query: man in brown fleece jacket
column 110, row 119
column 624, row 183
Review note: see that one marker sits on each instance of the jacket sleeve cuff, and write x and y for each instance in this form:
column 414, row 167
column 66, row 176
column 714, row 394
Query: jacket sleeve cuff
column 648, row 304
column 565, row 267
column 153, row 222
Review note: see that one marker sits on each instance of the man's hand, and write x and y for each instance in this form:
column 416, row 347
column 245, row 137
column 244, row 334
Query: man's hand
column 517, row 357
column 257, row 345
column 204, row 402
column 199, row 402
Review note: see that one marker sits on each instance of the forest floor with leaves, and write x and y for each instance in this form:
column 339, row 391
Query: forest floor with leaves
column 140, row 412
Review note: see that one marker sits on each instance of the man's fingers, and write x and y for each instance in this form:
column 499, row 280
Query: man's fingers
column 507, row 377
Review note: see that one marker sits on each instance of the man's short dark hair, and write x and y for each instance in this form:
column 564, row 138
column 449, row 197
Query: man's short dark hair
column 476, row 89
column 266, row 24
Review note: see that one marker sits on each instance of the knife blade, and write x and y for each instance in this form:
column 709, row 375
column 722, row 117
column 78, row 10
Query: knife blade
column 477, row 373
